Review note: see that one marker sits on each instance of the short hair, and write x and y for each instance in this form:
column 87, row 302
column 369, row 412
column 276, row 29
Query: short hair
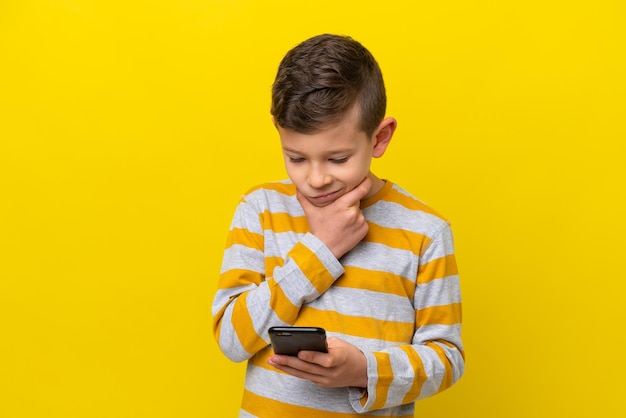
column 321, row 79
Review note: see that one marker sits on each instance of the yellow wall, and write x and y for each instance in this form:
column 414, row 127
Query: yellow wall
column 129, row 129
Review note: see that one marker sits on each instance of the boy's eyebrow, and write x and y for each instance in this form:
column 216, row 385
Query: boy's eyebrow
column 332, row 152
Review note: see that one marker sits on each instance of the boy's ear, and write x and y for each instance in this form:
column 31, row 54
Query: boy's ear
column 383, row 135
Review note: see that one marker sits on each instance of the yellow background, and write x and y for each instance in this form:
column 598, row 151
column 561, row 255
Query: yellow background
column 129, row 129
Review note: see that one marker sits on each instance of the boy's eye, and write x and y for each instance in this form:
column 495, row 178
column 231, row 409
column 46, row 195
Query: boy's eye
column 339, row 160
column 296, row 160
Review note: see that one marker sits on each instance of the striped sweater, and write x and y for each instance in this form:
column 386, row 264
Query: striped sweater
column 395, row 296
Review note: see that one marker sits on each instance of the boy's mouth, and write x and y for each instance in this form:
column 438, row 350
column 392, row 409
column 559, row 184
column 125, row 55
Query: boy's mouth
column 324, row 199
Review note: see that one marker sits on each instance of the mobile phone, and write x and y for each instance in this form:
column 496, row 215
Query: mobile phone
column 291, row 340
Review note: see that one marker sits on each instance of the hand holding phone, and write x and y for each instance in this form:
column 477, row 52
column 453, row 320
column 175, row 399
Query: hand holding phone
column 290, row 340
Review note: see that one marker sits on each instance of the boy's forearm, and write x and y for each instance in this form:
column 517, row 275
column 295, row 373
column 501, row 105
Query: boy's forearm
column 406, row 373
column 247, row 304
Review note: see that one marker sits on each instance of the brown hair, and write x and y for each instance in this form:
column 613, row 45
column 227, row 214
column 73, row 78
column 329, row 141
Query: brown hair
column 321, row 79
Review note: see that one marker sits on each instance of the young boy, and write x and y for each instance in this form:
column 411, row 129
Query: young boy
column 339, row 248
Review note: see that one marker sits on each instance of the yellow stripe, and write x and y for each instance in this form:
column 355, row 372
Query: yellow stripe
column 440, row 315
column 284, row 222
column 449, row 344
column 420, row 374
column 271, row 263
column 285, row 188
column 446, row 382
column 240, row 277
column 260, row 359
column 317, row 273
column 376, row 281
column 364, row 327
column 244, row 329
column 397, row 238
column 437, row 269
column 385, row 377
column 280, row 303
column 244, row 237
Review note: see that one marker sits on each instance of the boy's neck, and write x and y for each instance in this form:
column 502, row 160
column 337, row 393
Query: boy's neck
column 377, row 184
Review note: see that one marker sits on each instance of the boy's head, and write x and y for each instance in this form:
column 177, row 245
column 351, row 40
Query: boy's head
column 322, row 79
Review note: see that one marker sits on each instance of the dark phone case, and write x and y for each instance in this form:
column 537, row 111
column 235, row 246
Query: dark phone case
column 291, row 340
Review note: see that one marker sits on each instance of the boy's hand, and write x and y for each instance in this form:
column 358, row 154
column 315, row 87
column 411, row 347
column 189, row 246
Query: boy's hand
column 340, row 225
column 343, row 365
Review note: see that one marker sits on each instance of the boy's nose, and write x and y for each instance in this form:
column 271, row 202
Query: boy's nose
column 318, row 178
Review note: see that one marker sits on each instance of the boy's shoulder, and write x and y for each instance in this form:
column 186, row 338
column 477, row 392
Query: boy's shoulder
column 275, row 196
column 400, row 209
column 282, row 186
column 402, row 197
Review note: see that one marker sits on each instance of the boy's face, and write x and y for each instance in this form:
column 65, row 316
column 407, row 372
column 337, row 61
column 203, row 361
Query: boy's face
column 329, row 163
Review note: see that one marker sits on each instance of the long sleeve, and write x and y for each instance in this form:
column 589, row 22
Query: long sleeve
column 248, row 301
column 395, row 296
column 435, row 359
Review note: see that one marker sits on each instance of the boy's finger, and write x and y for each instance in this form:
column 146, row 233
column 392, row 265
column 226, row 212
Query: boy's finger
column 354, row 196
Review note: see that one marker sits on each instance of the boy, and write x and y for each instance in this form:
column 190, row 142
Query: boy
column 339, row 248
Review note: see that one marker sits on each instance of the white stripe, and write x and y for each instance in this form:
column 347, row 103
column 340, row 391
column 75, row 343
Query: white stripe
column 245, row 217
column 241, row 257
column 394, row 215
column 441, row 246
column 451, row 333
column 279, row 244
column 295, row 391
column 275, row 202
column 222, row 296
column 366, row 304
column 403, row 375
column 455, row 357
column 382, row 258
column 438, row 292
column 432, row 364
column 260, row 314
